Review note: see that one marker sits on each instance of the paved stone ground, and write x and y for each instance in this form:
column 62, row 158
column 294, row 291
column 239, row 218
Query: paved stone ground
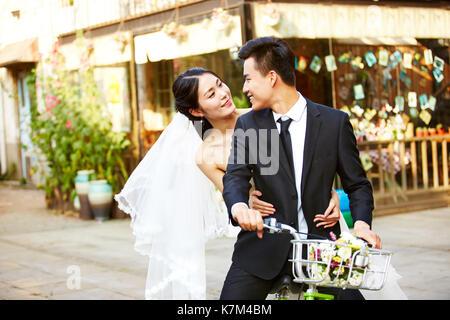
column 39, row 248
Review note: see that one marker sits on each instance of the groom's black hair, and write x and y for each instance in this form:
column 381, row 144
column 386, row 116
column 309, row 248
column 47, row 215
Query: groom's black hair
column 271, row 53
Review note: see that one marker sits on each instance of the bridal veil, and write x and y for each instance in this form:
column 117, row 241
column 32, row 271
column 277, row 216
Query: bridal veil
column 174, row 209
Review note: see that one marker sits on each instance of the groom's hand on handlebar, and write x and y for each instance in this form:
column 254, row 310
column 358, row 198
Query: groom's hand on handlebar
column 248, row 219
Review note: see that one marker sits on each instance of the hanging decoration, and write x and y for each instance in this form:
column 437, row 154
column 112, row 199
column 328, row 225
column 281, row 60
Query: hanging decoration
column 330, row 62
column 271, row 15
column 316, row 64
column 379, row 119
column 173, row 29
column 301, row 64
column 221, row 19
column 370, row 58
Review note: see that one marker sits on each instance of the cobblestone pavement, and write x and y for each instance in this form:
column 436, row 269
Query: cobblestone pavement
column 40, row 250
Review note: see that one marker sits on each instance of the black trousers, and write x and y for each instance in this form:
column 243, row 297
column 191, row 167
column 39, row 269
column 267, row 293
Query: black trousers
column 241, row 285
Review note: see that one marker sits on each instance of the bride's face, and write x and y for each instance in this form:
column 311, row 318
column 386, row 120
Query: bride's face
column 214, row 98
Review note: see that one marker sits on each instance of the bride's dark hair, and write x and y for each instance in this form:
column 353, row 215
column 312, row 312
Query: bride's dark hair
column 185, row 91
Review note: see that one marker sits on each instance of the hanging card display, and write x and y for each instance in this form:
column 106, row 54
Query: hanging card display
column 330, row 62
column 366, row 161
column 400, row 103
column 407, row 60
column 413, row 112
column 370, row 58
column 383, row 57
column 428, row 55
column 358, row 90
column 412, row 99
column 344, row 57
column 357, row 63
column 423, row 101
column 316, row 64
column 408, row 82
column 438, row 63
column 301, row 64
column 438, row 75
column 387, row 74
column 425, row 116
column 395, row 58
column 432, row 103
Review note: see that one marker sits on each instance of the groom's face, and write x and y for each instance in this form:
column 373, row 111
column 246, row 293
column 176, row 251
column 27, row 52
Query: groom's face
column 257, row 87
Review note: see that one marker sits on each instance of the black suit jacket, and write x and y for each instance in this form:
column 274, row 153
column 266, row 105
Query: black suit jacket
column 330, row 148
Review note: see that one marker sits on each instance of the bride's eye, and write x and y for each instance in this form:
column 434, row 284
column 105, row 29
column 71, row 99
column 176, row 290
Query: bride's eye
column 211, row 95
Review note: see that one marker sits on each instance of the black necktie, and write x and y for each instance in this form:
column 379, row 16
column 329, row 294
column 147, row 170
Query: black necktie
column 285, row 137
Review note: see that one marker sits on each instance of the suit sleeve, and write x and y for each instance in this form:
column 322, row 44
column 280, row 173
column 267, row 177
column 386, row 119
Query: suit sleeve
column 236, row 181
column 353, row 176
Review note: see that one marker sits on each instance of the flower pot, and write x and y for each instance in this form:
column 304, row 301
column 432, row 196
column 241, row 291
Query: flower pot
column 82, row 187
column 100, row 198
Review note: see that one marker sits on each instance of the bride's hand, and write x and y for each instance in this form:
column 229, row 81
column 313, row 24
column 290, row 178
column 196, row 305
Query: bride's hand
column 332, row 215
column 263, row 207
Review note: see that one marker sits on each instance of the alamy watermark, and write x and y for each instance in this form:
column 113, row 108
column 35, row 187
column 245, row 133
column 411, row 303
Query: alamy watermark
column 251, row 146
column 74, row 280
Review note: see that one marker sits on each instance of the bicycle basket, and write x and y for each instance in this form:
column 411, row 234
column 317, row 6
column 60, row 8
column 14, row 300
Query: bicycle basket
column 336, row 264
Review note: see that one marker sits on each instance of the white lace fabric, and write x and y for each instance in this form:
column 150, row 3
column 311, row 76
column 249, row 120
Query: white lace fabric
column 174, row 209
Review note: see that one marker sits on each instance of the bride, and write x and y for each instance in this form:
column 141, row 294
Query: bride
column 174, row 194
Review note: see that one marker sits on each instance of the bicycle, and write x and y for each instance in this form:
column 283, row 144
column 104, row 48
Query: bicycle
column 365, row 269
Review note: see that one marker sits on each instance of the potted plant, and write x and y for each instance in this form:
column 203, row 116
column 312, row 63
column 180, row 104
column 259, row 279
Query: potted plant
column 72, row 129
column 419, row 132
column 432, row 131
column 440, row 129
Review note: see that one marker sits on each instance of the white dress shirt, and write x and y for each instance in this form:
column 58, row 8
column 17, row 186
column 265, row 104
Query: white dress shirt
column 297, row 130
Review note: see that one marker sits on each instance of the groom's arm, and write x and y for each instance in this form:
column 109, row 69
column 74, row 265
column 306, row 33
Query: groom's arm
column 236, row 184
column 355, row 183
column 236, row 181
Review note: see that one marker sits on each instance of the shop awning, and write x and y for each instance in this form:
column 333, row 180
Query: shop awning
column 201, row 38
column 312, row 21
column 19, row 52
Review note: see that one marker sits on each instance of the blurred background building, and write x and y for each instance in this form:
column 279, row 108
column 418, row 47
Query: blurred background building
column 385, row 63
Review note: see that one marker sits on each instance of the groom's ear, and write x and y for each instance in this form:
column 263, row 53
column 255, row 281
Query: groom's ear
column 196, row 112
column 273, row 77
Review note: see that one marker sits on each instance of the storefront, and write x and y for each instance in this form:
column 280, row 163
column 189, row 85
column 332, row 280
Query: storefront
column 386, row 65
column 388, row 68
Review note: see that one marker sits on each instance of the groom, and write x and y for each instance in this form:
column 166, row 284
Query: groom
column 315, row 142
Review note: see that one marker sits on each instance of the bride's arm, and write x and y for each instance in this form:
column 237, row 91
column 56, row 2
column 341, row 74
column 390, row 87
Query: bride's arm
column 209, row 167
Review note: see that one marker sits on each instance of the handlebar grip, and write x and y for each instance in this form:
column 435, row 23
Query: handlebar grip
column 368, row 244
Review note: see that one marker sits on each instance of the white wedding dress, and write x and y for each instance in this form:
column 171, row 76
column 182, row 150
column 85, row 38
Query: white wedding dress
column 175, row 209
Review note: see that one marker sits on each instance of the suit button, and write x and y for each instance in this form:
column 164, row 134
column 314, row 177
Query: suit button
column 295, row 197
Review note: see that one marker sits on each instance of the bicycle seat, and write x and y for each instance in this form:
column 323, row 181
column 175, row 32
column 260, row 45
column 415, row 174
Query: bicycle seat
column 285, row 282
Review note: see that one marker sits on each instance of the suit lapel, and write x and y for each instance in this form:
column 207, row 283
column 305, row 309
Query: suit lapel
column 266, row 121
column 313, row 123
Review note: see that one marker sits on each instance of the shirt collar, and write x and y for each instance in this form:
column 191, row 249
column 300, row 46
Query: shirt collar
column 295, row 112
